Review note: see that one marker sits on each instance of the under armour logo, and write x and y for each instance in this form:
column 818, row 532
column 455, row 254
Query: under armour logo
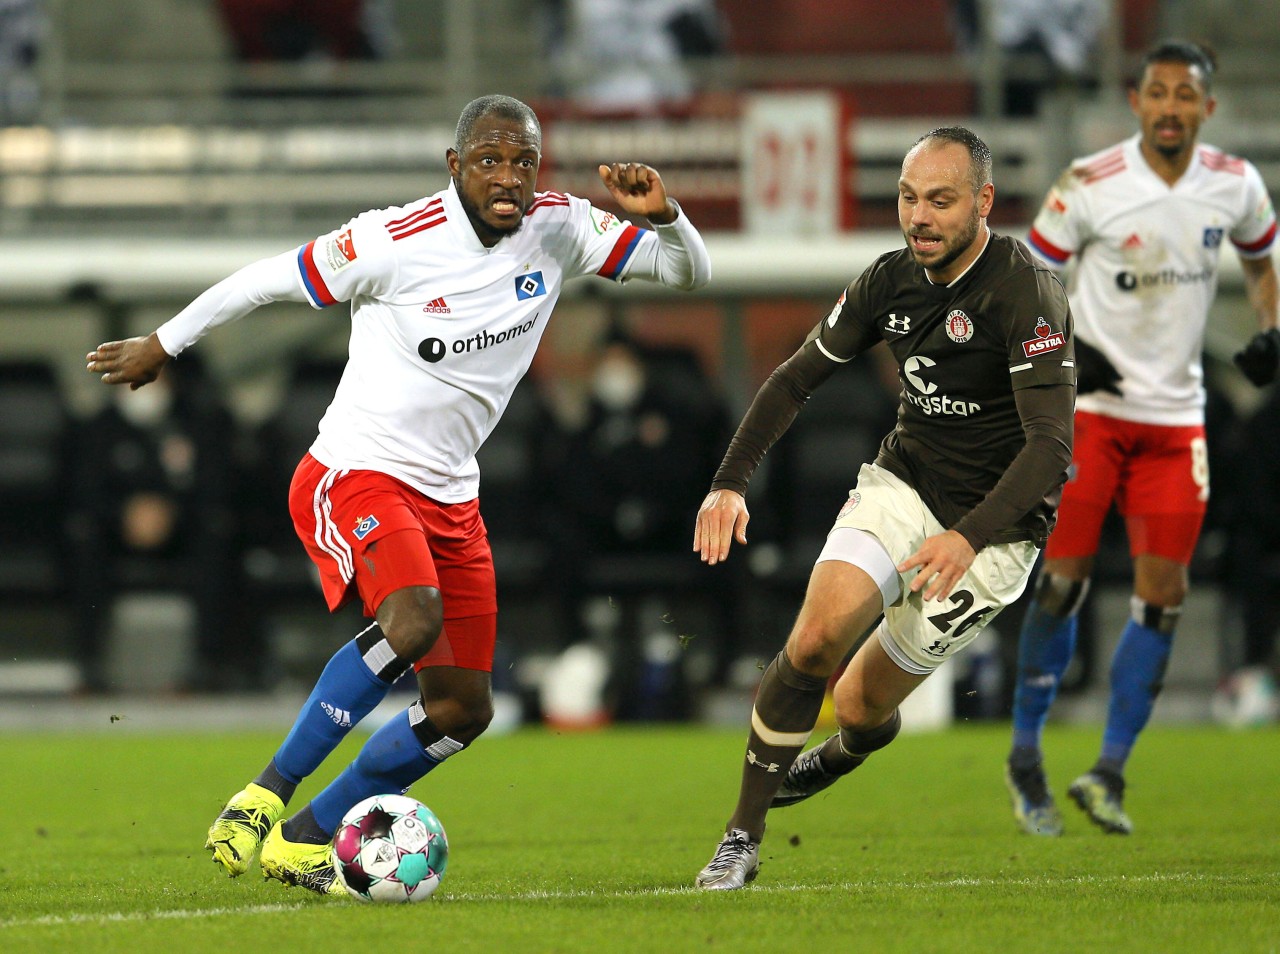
column 899, row 325
column 767, row 766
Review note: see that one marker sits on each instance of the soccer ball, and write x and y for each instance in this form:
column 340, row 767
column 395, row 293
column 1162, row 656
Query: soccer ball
column 1247, row 698
column 390, row 848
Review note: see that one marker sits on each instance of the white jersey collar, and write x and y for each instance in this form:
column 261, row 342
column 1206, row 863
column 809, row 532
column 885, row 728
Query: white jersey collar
column 1133, row 150
column 460, row 224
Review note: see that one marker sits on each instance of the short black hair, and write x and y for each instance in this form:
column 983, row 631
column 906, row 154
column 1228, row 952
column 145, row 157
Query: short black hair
column 979, row 153
column 503, row 107
column 1184, row 51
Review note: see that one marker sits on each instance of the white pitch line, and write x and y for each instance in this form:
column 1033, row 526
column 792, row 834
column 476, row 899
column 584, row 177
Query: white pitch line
column 54, row 920
column 116, row 917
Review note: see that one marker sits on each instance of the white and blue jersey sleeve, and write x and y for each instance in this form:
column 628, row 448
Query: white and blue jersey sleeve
column 356, row 259
column 1255, row 234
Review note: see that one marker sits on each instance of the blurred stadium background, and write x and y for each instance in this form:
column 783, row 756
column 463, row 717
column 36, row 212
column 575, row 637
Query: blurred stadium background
column 150, row 147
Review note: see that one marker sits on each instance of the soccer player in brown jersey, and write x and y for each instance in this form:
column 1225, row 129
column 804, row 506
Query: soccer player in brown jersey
column 941, row 530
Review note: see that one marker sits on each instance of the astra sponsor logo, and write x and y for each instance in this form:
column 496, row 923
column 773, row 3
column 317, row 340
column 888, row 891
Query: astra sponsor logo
column 1046, row 340
column 1131, row 281
column 929, row 402
column 432, row 350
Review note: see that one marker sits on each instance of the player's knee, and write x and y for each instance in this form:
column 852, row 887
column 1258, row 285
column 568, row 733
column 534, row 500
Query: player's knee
column 412, row 620
column 1059, row 595
column 814, row 647
column 463, row 717
column 1171, row 592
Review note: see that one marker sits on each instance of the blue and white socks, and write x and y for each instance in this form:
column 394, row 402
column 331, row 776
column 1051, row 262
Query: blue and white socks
column 355, row 680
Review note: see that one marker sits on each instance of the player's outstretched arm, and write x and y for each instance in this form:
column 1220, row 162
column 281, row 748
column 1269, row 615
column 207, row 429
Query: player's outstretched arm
column 133, row 361
column 1260, row 359
column 639, row 190
column 722, row 518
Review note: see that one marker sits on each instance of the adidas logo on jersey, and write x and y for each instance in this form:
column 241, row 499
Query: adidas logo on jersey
column 437, row 307
column 340, row 717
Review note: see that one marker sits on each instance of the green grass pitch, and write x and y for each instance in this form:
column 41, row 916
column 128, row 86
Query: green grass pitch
column 590, row 842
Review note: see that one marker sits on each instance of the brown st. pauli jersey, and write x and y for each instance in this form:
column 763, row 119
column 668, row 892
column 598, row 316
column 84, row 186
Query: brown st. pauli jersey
column 962, row 352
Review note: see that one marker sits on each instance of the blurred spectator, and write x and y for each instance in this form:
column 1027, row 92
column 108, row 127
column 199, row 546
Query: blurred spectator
column 1055, row 38
column 293, row 30
column 626, row 487
column 641, row 457
column 22, row 27
column 151, row 514
column 1252, row 565
column 630, row 55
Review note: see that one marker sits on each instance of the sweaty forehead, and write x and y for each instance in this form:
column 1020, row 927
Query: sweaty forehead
column 936, row 165
column 499, row 131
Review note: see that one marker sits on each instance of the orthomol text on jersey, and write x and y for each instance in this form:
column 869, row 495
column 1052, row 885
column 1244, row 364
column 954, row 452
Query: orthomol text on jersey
column 929, row 402
column 1129, row 281
column 434, row 349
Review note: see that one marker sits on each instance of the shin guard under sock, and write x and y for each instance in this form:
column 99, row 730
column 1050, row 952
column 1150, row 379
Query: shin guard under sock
column 355, row 680
column 1137, row 676
column 396, row 756
column 1045, row 647
column 786, row 709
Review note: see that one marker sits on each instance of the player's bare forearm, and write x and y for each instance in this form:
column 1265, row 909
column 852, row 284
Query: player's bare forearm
column 722, row 518
column 1263, row 290
column 133, row 361
column 638, row 189
column 942, row 559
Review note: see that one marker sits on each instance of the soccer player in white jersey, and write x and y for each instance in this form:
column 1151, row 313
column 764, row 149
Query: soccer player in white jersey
column 1146, row 221
column 449, row 298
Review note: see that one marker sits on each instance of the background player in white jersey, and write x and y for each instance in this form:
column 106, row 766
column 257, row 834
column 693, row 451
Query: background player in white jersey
column 1146, row 220
column 963, row 490
column 449, row 297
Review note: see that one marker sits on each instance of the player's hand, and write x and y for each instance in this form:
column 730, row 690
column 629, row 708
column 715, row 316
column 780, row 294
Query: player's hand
column 722, row 518
column 1094, row 370
column 134, row 361
column 942, row 560
column 638, row 189
column 1260, row 358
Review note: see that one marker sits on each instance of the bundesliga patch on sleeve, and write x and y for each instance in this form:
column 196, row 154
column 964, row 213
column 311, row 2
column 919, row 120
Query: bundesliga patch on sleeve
column 1046, row 340
column 604, row 221
column 835, row 312
column 340, row 251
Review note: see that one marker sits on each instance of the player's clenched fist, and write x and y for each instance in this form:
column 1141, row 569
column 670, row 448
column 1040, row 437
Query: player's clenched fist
column 639, row 190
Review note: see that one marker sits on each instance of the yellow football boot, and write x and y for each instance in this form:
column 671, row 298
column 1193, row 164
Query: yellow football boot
column 238, row 830
column 299, row 865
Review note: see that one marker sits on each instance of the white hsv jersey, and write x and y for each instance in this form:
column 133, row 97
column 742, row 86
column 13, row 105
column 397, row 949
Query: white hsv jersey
column 443, row 328
column 1147, row 267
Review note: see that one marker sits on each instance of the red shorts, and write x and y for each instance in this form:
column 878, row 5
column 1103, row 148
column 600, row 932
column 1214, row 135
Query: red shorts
column 370, row 534
column 1157, row 476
